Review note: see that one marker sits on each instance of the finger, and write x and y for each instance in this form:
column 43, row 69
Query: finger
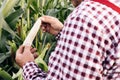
column 35, row 55
column 43, row 27
column 47, row 19
column 46, row 27
column 21, row 49
column 54, row 22
column 33, row 50
column 44, row 24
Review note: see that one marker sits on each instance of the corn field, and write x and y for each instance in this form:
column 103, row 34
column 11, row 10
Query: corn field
column 16, row 19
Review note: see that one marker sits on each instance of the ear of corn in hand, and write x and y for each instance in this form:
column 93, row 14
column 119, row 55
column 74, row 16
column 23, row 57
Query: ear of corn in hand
column 31, row 35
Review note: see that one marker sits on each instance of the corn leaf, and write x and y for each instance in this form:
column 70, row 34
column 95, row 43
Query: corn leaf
column 7, row 28
column 7, row 7
column 42, row 55
column 5, row 75
column 4, row 56
column 18, row 74
column 12, row 19
column 41, row 63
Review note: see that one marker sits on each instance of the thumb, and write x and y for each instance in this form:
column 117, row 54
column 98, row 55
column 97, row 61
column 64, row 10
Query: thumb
column 47, row 19
column 20, row 50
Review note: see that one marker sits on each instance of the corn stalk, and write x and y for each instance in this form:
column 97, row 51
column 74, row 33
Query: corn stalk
column 29, row 12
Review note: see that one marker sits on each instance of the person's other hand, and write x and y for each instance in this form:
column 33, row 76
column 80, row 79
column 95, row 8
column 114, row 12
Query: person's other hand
column 51, row 25
column 25, row 54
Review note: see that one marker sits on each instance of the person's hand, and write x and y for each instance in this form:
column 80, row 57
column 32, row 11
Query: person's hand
column 51, row 25
column 25, row 54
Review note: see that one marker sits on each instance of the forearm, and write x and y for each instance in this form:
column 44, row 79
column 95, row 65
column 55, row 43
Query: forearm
column 32, row 72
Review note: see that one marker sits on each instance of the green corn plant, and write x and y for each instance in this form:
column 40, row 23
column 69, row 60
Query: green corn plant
column 7, row 7
column 13, row 46
column 40, row 59
column 4, row 75
column 5, row 10
column 17, row 24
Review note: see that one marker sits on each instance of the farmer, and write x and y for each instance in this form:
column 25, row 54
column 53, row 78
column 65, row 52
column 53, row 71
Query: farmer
column 88, row 46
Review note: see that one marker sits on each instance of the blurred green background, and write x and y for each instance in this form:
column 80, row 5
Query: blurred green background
column 16, row 19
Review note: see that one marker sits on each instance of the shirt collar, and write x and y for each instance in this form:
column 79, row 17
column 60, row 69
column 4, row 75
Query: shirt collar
column 116, row 2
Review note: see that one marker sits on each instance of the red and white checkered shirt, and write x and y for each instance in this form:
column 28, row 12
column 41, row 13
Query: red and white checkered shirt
column 88, row 48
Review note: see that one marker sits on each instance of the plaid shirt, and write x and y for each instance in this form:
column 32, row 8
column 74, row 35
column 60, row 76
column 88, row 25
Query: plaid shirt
column 88, row 48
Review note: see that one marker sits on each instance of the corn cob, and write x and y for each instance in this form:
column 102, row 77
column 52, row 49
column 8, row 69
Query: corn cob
column 30, row 37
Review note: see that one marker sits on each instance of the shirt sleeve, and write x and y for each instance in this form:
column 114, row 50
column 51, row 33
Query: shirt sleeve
column 57, row 37
column 32, row 72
